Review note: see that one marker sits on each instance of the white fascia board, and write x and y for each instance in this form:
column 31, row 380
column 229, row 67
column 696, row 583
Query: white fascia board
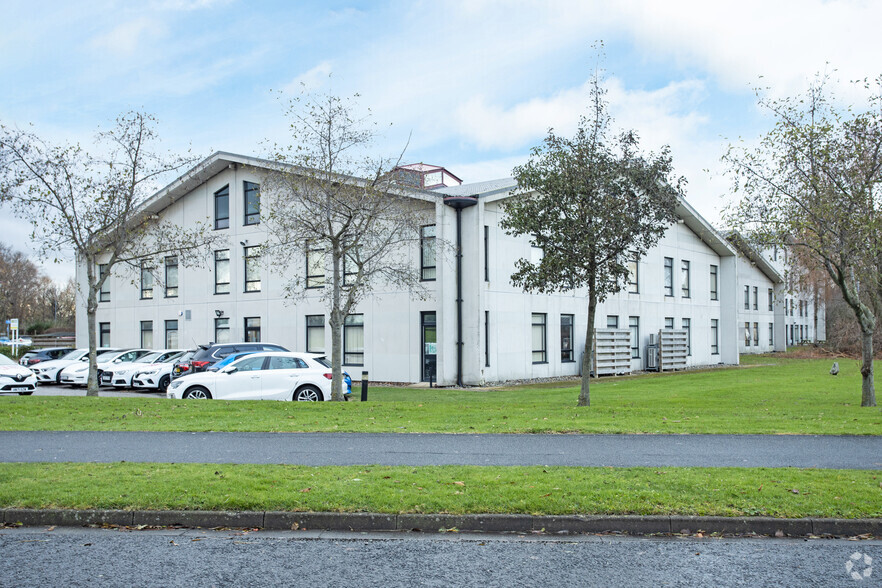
column 754, row 256
column 703, row 229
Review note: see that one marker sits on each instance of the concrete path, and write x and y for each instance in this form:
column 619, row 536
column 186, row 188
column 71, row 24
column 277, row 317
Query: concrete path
column 316, row 449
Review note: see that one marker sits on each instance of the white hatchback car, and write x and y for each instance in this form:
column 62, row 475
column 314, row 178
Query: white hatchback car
column 78, row 375
column 122, row 374
column 277, row 375
column 16, row 379
column 49, row 372
column 158, row 375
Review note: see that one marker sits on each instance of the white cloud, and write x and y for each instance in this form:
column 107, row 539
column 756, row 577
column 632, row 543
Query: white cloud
column 315, row 79
column 126, row 39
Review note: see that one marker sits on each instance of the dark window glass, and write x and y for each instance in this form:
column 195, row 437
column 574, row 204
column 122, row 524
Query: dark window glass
column 539, row 336
column 756, row 334
column 252, row 330
column 171, row 334
column 566, row 338
column 755, row 298
column 104, row 293
column 315, row 268
column 747, row 298
column 103, row 334
column 147, row 334
column 427, row 253
column 486, row 253
column 221, row 330
column 222, row 208
column 714, row 283
column 771, row 299
column 222, row 271
column 669, row 276
column 634, row 326
column 171, row 277
column 146, row 282
column 687, row 324
column 252, row 203
column 685, row 276
column 715, row 336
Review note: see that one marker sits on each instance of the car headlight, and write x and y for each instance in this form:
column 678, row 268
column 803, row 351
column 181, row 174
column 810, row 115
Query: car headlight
column 175, row 383
column 148, row 372
column 121, row 373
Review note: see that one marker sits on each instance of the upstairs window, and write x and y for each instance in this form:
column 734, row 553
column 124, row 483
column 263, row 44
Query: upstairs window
column 252, row 269
column 714, row 283
column 747, row 298
column 771, row 297
column 104, row 293
column 427, row 253
column 669, row 276
column 146, row 284
column 222, row 208
column 685, row 277
column 252, row 203
column 633, row 275
column 171, row 277
column 315, row 268
column 756, row 298
column 222, row 272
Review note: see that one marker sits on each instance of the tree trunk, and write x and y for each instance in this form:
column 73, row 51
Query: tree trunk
column 336, row 329
column 585, row 392
column 91, row 311
column 868, row 391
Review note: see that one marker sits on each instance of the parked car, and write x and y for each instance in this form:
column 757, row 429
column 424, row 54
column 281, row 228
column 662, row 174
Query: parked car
column 122, row 374
column 260, row 376
column 78, row 375
column 158, row 375
column 228, row 360
column 16, row 379
column 208, row 355
column 50, row 371
column 46, row 354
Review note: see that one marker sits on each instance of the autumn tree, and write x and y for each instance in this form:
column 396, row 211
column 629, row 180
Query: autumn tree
column 591, row 203
column 336, row 213
column 99, row 207
column 813, row 183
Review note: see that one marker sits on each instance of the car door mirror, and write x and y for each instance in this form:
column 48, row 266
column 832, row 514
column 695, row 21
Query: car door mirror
column 230, row 369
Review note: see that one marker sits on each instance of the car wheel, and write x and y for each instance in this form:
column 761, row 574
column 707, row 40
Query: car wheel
column 58, row 378
column 163, row 383
column 308, row 394
column 197, row 392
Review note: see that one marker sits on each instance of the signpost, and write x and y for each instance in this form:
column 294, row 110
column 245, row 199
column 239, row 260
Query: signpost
column 13, row 326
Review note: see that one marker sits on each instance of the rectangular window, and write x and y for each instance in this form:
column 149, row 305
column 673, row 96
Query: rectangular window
column 222, row 208
column 222, row 271
column 539, row 338
column 755, row 298
column 669, row 322
column 252, row 329
column 486, row 338
column 800, row 307
column 486, row 253
column 252, row 269
column 685, row 274
column 747, row 334
column 536, row 254
column 104, row 293
column 714, row 283
column 171, row 334
column 171, row 277
column 687, row 324
column 427, row 253
column 756, row 334
column 634, row 325
column 771, row 334
column 353, row 340
column 747, row 298
column 103, row 334
column 315, row 333
column 147, row 334
column 222, row 330
column 252, row 203
column 633, row 274
column 669, row 276
column 715, row 337
column 315, row 268
column 350, row 270
column 146, row 283
column 566, row 338
column 771, row 298
column 612, row 321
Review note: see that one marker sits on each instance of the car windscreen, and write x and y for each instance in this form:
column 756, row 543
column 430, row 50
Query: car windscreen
column 149, row 358
column 6, row 361
column 105, row 357
column 174, row 357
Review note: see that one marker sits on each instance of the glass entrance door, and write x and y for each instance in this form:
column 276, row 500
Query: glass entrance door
column 429, row 350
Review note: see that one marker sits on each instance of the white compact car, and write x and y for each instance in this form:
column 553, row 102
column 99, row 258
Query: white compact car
column 121, row 375
column 16, row 379
column 278, row 375
column 49, row 372
column 158, row 376
column 78, row 375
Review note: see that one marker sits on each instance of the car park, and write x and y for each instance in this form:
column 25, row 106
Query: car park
column 208, row 355
column 78, row 374
column 49, row 372
column 122, row 374
column 36, row 356
column 261, row 376
column 158, row 375
column 16, row 379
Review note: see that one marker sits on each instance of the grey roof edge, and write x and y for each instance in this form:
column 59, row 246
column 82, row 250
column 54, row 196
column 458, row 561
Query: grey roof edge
column 750, row 252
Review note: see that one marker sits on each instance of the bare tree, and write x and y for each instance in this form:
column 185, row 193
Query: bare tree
column 335, row 209
column 98, row 207
column 815, row 183
column 21, row 285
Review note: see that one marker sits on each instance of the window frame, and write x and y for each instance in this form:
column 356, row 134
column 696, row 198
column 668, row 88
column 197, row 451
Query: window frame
column 747, row 297
column 172, row 290
column 686, row 285
column 756, row 297
column 686, row 324
column 251, row 329
column 428, row 273
column 222, row 222
column 171, row 326
column 747, row 337
column 540, row 320
column 104, row 330
column 222, row 325
column 715, row 336
column 668, row 277
column 104, row 292
column 218, row 285
column 311, row 328
column 633, row 265
column 315, row 281
column 146, row 292
column 567, row 343
column 486, row 253
column 756, row 334
column 351, row 324
column 616, row 321
column 252, row 193
column 714, row 282
column 771, row 299
column 251, row 263
column 634, row 329
column 145, row 344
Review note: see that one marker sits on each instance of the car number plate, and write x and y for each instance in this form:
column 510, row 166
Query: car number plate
column 19, row 389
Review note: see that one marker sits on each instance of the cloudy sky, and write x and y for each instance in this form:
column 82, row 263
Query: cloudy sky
column 474, row 84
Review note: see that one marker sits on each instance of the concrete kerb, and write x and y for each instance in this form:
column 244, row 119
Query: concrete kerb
column 433, row 523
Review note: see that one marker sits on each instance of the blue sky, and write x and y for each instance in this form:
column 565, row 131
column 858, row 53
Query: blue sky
column 474, row 84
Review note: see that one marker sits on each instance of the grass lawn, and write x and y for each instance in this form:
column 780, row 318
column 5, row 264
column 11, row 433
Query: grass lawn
column 767, row 394
column 787, row 492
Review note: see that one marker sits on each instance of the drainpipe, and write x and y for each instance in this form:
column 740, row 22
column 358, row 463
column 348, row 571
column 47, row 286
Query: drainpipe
column 459, row 202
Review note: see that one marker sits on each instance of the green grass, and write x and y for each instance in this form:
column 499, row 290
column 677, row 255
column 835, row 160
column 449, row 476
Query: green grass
column 768, row 394
column 785, row 493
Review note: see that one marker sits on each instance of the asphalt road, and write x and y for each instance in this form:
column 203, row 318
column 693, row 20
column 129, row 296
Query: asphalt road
column 101, row 557
column 317, row 449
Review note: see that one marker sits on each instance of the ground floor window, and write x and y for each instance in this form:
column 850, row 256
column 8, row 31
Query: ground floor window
column 171, row 334
column 612, row 321
column 103, row 334
column 771, row 334
column 715, row 336
column 669, row 322
column 747, row 334
column 540, row 341
column 634, row 326
column 147, row 334
column 353, row 339
column 221, row 330
column 756, row 334
column 566, row 338
column 252, row 329
column 687, row 325
column 315, row 333
column 486, row 337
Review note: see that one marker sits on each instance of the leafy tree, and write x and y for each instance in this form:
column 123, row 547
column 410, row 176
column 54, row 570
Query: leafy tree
column 336, row 209
column 98, row 207
column 591, row 203
column 813, row 182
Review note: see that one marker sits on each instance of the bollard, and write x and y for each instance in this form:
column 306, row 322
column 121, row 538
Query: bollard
column 364, row 386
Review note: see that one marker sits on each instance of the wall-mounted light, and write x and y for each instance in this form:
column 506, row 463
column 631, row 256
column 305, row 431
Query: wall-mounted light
column 243, row 243
column 218, row 313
